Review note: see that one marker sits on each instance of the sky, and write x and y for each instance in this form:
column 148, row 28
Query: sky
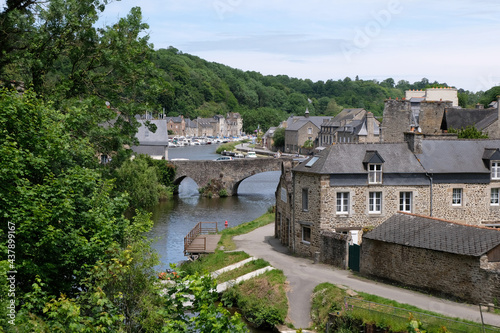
column 442, row 40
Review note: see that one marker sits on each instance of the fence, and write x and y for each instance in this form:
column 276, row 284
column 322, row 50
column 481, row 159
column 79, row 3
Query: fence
column 202, row 228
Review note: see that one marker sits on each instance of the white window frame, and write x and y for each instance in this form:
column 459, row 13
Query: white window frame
column 304, row 240
column 375, row 202
column 405, row 201
column 457, row 197
column 309, row 130
column 495, row 170
column 374, row 173
column 495, row 197
column 342, row 203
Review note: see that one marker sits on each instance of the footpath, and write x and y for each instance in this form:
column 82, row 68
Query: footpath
column 303, row 275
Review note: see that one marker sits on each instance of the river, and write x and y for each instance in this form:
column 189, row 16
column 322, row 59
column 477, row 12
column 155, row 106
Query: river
column 175, row 218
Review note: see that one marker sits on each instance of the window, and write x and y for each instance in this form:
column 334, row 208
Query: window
column 342, row 202
column 494, row 197
column 283, row 194
column 305, row 199
column 457, row 197
column 375, row 173
column 306, row 234
column 310, row 130
column 495, row 170
column 375, row 203
column 405, row 201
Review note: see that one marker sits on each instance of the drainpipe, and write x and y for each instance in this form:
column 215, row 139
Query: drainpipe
column 430, row 181
column 293, row 212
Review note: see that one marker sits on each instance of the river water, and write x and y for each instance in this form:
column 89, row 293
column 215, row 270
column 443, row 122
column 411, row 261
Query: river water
column 175, row 218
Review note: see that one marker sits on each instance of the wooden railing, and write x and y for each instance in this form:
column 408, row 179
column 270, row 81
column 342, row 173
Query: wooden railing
column 202, row 228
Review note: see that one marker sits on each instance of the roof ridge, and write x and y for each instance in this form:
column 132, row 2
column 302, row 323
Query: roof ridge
column 447, row 221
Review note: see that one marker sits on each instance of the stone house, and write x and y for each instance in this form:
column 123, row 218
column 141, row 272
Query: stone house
column 434, row 118
column 234, row 125
column 350, row 125
column 351, row 186
column 267, row 138
column 152, row 144
column 485, row 120
column 301, row 129
column 436, row 255
column 177, row 125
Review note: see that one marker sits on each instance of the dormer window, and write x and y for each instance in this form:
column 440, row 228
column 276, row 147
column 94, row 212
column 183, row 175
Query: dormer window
column 373, row 164
column 495, row 170
column 374, row 173
column 491, row 159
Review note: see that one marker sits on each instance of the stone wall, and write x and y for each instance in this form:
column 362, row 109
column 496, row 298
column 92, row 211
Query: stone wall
column 358, row 216
column 475, row 208
column 451, row 274
column 334, row 248
column 396, row 120
column 284, row 197
column 431, row 116
column 307, row 217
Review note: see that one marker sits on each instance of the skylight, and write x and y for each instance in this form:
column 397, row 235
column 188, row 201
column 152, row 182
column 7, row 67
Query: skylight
column 312, row 161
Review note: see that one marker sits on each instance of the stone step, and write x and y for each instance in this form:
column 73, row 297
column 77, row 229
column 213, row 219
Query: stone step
column 228, row 284
column 231, row 267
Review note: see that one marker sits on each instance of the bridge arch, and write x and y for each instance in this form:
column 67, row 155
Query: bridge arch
column 229, row 173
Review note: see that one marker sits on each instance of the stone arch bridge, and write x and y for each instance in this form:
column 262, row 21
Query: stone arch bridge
column 229, row 173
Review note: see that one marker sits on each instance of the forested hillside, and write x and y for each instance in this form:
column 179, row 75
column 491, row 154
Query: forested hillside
column 198, row 88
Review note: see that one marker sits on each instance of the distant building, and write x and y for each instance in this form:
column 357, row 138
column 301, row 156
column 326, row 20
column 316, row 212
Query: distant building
column 433, row 95
column 300, row 129
column 152, row 144
column 350, row 125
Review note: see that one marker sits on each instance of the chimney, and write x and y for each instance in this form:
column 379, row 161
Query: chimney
column 414, row 141
column 370, row 127
column 307, row 112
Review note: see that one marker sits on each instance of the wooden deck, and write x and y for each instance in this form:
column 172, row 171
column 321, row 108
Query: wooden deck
column 203, row 244
column 203, row 238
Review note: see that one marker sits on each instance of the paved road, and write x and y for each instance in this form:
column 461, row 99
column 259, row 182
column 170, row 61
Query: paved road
column 303, row 275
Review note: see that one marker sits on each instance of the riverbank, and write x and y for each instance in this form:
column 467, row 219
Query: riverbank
column 303, row 278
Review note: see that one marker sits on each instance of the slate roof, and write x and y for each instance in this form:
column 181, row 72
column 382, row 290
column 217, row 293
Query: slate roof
column 455, row 156
column 146, row 137
column 295, row 123
column 347, row 158
column 435, row 234
column 458, row 118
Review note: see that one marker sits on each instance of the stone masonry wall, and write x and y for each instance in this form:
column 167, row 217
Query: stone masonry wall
column 456, row 275
column 334, row 249
column 358, row 216
column 307, row 217
column 396, row 120
column 475, row 208
column 431, row 116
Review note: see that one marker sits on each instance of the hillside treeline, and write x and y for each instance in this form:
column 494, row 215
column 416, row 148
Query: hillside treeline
column 197, row 88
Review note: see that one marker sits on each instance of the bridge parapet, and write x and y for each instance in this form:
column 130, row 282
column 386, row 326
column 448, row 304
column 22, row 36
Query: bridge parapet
column 229, row 173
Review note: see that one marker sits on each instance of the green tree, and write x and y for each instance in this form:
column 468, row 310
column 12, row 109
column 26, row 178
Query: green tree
column 279, row 138
column 470, row 132
column 137, row 178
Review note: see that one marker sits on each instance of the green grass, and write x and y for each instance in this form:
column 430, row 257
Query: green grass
column 328, row 298
column 248, row 296
column 247, row 268
column 213, row 262
column 230, row 146
column 226, row 241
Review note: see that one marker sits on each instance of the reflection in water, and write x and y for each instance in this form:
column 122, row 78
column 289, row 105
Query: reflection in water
column 175, row 218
